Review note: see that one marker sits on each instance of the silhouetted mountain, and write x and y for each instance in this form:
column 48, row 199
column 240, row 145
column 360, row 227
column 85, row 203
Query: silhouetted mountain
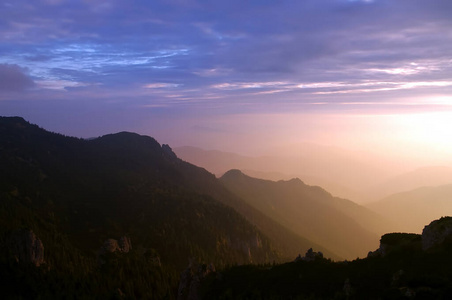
column 77, row 197
column 410, row 210
column 422, row 177
column 118, row 215
column 338, row 224
column 342, row 172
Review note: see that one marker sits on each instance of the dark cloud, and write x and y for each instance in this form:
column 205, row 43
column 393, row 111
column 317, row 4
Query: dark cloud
column 13, row 78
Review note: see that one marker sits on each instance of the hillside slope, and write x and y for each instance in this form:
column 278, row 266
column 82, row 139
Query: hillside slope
column 80, row 199
column 338, row 224
column 77, row 197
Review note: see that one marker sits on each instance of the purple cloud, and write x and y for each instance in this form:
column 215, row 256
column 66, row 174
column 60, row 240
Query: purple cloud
column 13, row 78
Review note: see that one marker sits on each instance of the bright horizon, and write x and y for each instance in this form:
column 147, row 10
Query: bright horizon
column 248, row 78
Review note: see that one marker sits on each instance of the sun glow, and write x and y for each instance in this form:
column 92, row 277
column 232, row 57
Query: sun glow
column 424, row 133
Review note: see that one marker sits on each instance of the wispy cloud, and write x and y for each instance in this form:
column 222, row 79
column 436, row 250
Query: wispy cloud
column 161, row 85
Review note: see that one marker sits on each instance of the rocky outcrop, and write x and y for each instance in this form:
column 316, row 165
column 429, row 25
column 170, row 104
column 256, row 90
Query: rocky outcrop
column 244, row 246
column 26, row 247
column 190, row 280
column 395, row 242
column 168, row 151
column 310, row 256
column 256, row 242
column 111, row 245
column 124, row 245
column 436, row 233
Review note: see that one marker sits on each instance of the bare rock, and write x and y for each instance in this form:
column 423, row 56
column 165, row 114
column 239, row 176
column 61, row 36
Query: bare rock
column 125, row 245
column 27, row 247
column 310, row 256
column 190, row 280
column 396, row 241
column 436, row 233
column 256, row 242
column 111, row 245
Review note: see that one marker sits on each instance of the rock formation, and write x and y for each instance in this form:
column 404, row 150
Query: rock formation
column 26, row 247
column 111, row 245
column 436, row 233
column 190, row 280
column 124, row 244
column 396, row 241
column 310, row 256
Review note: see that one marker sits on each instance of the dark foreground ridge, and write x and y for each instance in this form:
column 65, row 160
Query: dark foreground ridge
column 405, row 266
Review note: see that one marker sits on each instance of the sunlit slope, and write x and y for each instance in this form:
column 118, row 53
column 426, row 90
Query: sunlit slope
column 411, row 210
column 340, row 225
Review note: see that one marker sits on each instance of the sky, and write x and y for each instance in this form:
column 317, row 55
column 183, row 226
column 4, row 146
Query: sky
column 240, row 76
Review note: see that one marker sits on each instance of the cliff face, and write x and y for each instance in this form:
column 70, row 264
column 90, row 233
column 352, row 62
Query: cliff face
column 191, row 278
column 124, row 245
column 26, row 247
column 436, row 233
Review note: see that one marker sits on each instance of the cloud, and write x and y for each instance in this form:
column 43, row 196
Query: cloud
column 160, row 85
column 233, row 49
column 14, row 78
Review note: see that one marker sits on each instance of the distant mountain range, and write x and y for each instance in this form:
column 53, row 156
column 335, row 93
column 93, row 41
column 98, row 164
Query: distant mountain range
column 339, row 224
column 422, row 177
column 358, row 176
column 411, row 210
column 345, row 174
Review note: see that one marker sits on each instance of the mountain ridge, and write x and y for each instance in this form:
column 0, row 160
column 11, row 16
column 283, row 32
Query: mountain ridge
column 309, row 210
column 76, row 195
column 340, row 173
column 120, row 184
column 409, row 210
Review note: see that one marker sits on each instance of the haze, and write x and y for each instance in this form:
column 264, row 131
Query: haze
column 371, row 78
